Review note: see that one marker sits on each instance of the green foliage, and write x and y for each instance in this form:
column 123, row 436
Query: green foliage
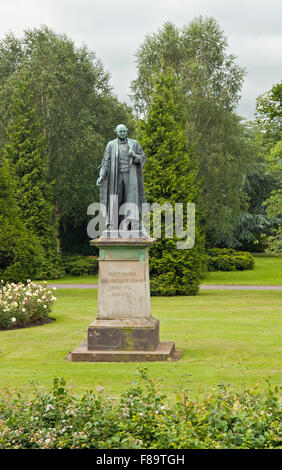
column 176, row 272
column 170, row 177
column 142, row 418
column 210, row 83
column 268, row 117
column 265, row 193
column 226, row 259
column 79, row 265
column 24, row 304
column 25, row 150
column 76, row 112
column 21, row 254
column 274, row 210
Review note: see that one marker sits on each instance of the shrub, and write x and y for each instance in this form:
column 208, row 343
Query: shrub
column 227, row 259
column 24, row 304
column 79, row 265
column 140, row 418
column 173, row 271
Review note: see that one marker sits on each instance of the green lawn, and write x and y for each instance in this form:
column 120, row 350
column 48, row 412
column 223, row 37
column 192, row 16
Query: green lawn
column 231, row 337
column 74, row 280
column 267, row 271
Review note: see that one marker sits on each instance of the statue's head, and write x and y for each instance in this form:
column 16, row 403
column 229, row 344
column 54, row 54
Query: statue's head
column 121, row 131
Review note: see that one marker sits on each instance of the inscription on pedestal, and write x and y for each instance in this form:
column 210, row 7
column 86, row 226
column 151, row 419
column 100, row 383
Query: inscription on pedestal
column 123, row 290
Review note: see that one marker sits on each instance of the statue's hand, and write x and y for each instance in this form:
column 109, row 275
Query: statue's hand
column 134, row 156
column 99, row 180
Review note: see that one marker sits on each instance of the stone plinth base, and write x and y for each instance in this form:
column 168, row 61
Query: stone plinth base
column 124, row 330
column 163, row 352
column 127, row 335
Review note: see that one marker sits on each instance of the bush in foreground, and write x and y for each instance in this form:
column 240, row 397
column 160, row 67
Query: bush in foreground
column 24, row 304
column 140, row 418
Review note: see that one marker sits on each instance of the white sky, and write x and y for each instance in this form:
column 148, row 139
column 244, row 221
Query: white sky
column 114, row 29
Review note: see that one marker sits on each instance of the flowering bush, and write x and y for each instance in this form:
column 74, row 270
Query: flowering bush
column 24, row 304
column 141, row 418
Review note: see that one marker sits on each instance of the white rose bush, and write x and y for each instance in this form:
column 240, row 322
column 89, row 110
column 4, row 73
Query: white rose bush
column 24, row 304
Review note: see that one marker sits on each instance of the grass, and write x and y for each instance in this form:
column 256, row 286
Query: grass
column 267, row 271
column 231, row 337
column 86, row 279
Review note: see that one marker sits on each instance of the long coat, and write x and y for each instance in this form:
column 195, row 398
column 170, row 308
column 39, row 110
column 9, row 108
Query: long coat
column 109, row 172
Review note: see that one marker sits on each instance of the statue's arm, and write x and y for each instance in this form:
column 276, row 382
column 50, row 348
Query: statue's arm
column 105, row 165
column 138, row 154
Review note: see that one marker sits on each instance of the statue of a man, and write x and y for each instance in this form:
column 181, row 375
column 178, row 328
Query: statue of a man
column 121, row 181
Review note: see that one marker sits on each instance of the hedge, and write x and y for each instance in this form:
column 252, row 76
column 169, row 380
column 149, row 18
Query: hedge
column 141, row 418
column 227, row 259
column 79, row 265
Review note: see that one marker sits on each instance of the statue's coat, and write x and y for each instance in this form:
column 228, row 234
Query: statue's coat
column 109, row 171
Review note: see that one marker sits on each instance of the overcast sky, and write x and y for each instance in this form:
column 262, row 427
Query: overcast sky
column 114, row 29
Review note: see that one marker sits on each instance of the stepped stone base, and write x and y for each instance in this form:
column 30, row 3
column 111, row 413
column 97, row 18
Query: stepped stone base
column 163, row 352
column 127, row 335
column 124, row 330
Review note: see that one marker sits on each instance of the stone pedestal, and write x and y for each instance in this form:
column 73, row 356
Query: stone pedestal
column 124, row 329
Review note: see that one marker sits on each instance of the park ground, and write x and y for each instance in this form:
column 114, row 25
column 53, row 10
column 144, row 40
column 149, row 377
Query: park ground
column 227, row 337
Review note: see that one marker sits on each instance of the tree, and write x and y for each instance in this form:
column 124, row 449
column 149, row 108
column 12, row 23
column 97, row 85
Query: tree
column 266, row 194
column 210, row 83
column 268, row 116
column 77, row 114
column 274, row 211
column 170, row 176
column 25, row 150
column 21, row 254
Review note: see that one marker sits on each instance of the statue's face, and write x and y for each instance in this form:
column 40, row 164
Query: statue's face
column 121, row 132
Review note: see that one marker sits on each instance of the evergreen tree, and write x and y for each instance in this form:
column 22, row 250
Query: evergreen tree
column 210, row 88
column 170, row 177
column 21, row 254
column 25, row 150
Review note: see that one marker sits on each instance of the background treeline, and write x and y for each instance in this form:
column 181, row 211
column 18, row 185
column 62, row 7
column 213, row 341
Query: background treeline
column 58, row 111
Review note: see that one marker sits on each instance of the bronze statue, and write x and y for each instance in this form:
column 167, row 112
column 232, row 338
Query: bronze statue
column 121, row 181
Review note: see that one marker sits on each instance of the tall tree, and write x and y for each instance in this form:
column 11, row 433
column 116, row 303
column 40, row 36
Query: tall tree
column 77, row 112
column 268, row 122
column 210, row 85
column 268, row 116
column 25, row 150
column 21, row 254
column 170, row 177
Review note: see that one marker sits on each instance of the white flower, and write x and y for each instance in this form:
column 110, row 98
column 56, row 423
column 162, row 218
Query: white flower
column 45, row 306
column 54, row 288
column 23, row 309
column 14, row 319
column 39, row 300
